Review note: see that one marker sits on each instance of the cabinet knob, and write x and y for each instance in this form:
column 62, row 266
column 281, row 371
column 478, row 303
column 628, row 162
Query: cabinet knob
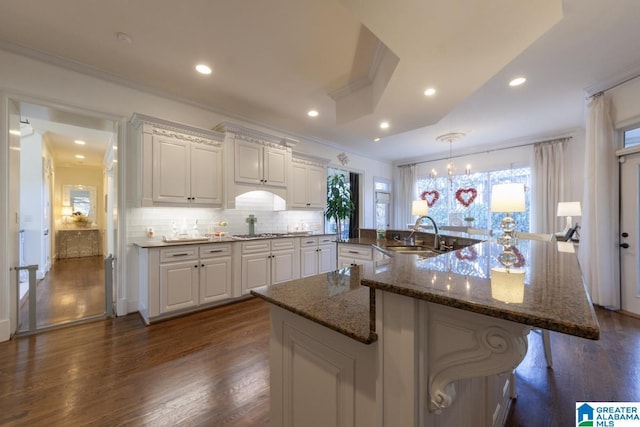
column 201, row 265
column 196, row 266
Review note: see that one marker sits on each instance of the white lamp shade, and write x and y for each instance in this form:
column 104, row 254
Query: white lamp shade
column 419, row 207
column 66, row 211
column 507, row 198
column 507, row 285
column 569, row 209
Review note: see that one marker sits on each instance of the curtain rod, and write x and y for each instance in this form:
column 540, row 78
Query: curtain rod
column 613, row 86
column 564, row 138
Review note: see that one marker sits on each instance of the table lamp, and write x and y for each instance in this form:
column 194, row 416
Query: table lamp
column 507, row 198
column 568, row 209
column 419, row 207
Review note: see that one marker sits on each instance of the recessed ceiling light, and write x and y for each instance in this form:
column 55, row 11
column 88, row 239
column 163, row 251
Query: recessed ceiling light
column 79, row 142
column 430, row 92
column 312, row 113
column 517, row 81
column 376, row 139
column 203, row 69
column 79, row 156
column 384, row 125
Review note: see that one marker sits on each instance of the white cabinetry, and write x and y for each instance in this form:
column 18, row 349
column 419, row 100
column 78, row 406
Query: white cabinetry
column 259, row 164
column 173, row 164
column 308, row 187
column 266, row 262
column 178, row 279
column 317, row 255
column 257, row 161
column 349, row 254
column 215, row 273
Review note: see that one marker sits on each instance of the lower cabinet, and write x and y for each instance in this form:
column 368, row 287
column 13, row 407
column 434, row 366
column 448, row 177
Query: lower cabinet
column 181, row 278
column 352, row 254
column 317, row 255
column 266, row 262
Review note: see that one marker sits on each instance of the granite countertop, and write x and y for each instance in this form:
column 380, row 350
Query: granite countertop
column 544, row 289
column 335, row 300
column 157, row 242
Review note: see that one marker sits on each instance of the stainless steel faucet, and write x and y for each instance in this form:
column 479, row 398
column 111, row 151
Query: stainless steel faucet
column 416, row 227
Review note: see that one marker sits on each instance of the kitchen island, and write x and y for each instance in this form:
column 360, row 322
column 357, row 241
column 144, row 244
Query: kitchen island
column 420, row 341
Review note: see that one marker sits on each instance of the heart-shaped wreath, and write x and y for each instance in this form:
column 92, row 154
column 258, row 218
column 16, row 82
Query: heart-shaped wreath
column 520, row 258
column 466, row 196
column 430, row 196
column 469, row 254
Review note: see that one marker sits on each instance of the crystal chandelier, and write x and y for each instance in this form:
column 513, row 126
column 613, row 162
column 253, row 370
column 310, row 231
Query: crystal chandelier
column 451, row 137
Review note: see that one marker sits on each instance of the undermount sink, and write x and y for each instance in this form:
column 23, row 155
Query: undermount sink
column 425, row 251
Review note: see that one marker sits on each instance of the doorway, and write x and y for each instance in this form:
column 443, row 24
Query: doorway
column 629, row 228
column 67, row 207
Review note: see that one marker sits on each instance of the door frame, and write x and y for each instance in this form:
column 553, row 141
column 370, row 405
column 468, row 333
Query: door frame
column 9, row 250
column 619, row 154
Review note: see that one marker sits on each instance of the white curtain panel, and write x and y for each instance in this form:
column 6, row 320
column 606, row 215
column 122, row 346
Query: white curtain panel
column 548, row 183
column 405, row 193
column 598, row 252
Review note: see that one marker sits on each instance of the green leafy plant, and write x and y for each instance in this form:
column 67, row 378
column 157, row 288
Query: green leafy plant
column 339, row 204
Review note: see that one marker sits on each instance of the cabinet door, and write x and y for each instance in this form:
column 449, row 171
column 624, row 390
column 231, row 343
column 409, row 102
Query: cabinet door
column 298, row 186
column 316, row 187
column 248, row 162
column 326, row 258
column 215, row 279
column 178, row 286
column 308, row 261
column 171, row 172
column 206, row 174
column 275, row 167
column 282, row 269
column 256, row 271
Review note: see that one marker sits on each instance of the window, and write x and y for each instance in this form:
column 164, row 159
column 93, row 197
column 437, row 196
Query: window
column 631, row 137
column 382, row 210
column 330, row 223
column 465, row 200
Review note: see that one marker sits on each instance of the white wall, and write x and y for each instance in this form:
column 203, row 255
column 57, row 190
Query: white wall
column 31, row 80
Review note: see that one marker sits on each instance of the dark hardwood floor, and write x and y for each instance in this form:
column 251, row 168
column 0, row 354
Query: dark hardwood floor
column 72, row 290
column 212, row 369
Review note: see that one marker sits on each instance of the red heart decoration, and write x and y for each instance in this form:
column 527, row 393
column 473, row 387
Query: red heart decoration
column 431, row 197
column 466, row 196
column 520, row 258
column 469, row 253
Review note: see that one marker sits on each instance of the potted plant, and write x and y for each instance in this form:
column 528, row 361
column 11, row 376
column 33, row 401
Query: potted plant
column 339, row 204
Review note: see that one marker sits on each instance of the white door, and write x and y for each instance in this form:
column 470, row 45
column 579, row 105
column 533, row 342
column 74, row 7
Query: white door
column 629, row 227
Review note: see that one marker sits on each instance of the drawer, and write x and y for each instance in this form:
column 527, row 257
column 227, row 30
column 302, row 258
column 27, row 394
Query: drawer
column 215, row 250
column 280, row 244
column 323, row 240
column 308, row 241
column 256, row 246
column 356, row 251
column 181, row 253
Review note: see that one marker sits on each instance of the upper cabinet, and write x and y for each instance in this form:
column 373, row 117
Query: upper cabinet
column 308, row 189
column 260, row 161
column 260, row 164
column 174, row 164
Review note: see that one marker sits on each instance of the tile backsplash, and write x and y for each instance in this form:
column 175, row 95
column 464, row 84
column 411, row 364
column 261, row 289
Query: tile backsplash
column 161, row 219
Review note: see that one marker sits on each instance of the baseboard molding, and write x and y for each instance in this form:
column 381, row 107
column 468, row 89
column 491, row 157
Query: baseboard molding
column 5, row 330
column 630, row 314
